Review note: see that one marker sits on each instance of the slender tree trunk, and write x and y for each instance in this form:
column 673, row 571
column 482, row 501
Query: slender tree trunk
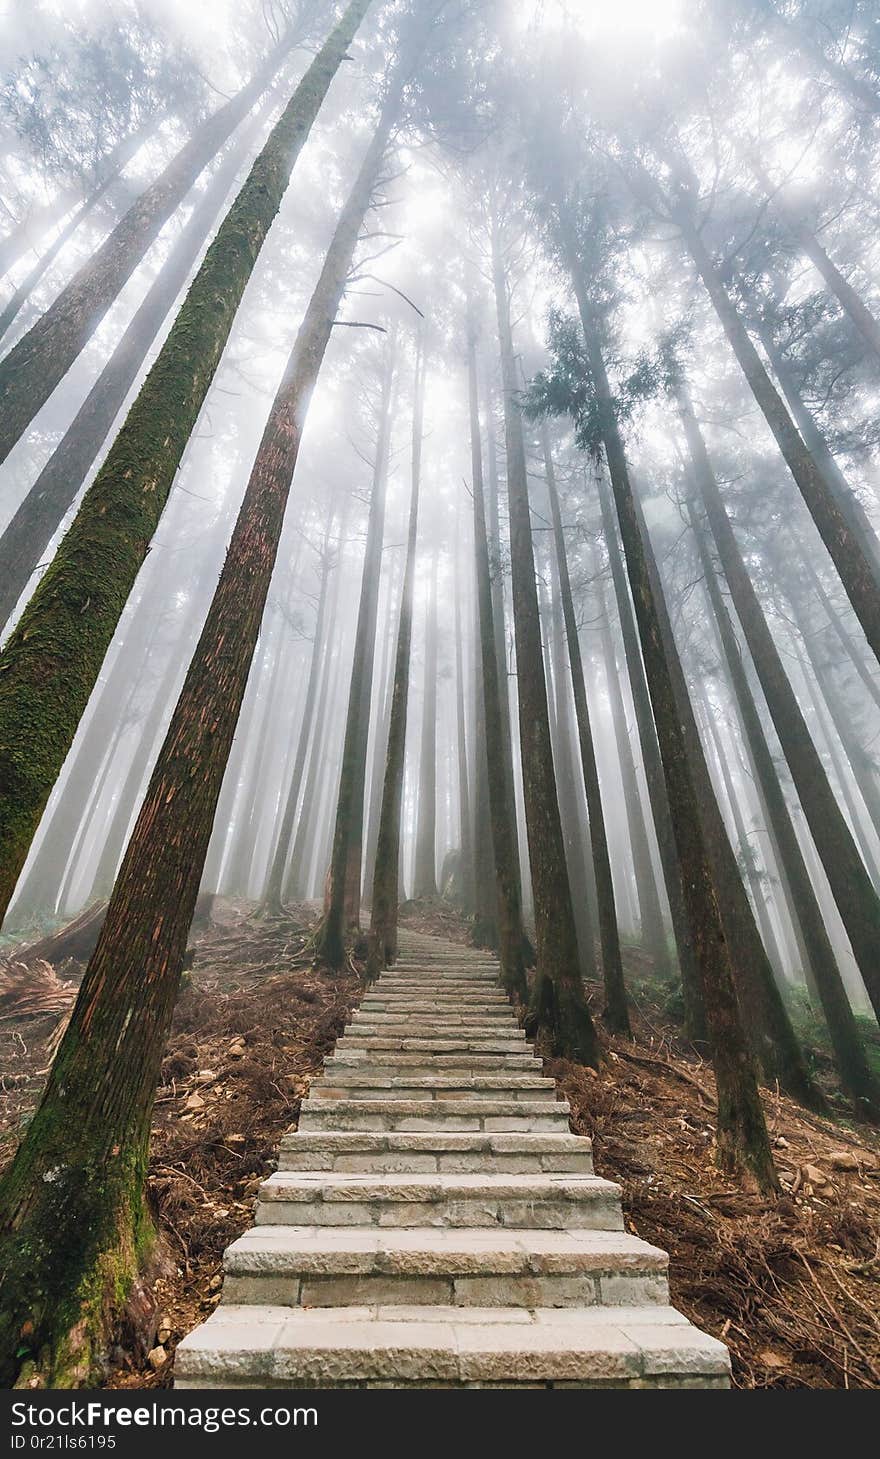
column 694, row 1016
column 343, row 908
column 750, row 869
column 559, row 1005
column 122, row 155
column 38, row 362
column 616, row 1013
column 847, row 297
column 653, row 931
column 855, row 1073
column 502, row 812
column 743, row 1142
column 386, row 876
column 71, row 1244
column 568, row 782
column 466, row 836
column 39, row 516
column 52, row 659
column 847, row 552
column 380, row 740
column 425, row 884
column 846, row 499
column 272, row 895
column 840, row 631
column 854, row 894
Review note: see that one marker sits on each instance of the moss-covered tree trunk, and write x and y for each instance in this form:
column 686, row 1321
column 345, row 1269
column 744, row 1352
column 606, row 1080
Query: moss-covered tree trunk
column 344, row 892
column 855, row 1072
column 39, row 516
column 855, row 896
column 41, row 358
column 616, row 1013
column 385, row 693
column 386, row 875
column 73, row 1227
column 50, row 663
column 425, row 870
column 847, row 552
column 490, row 747
column 559, row 1005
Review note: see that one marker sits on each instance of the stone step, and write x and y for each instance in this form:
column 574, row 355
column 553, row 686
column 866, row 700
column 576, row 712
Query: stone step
column 350, row 1083
column 546, row 1202
column 511, row 1041
column 424, row 1002
column 450, row 1347
column 369, row 1057
column 314, row 1266
column 428, row 1027
column 516, row 1154
column 437, row 1114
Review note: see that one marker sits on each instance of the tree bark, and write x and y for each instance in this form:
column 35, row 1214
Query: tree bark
column 52, row 659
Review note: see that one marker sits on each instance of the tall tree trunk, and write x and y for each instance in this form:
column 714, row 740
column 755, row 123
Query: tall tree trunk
column 465, row 818
column 653, row 931
column 616, row 1012
column 743, row 1142
column 694, row 1016
column 559, row 1004
column 380, row 740
column 856, row 898
column 840, row 630
column 41, row 358
column 501, row 808
column 568, row 782
column 90, row 1133
column 52, row 659
column 847, row 297
column 39, row 516
column 855, row 1072
column 343, row 909
column 847, row 552
column 816, row 443
column 425, row 876
column 272, row 895
column 386, row 876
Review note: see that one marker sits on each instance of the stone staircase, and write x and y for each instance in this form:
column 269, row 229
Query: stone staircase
column 434, row 1224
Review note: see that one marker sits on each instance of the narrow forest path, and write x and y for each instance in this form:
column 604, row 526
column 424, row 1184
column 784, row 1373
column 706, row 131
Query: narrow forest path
column 433, row 1222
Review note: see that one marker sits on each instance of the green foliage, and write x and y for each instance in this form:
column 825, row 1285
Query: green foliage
column 566, row 388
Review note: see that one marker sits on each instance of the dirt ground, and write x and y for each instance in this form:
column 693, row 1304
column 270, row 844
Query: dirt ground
column 792, row 1286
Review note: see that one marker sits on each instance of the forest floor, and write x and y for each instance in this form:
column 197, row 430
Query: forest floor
column 792, row 1286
